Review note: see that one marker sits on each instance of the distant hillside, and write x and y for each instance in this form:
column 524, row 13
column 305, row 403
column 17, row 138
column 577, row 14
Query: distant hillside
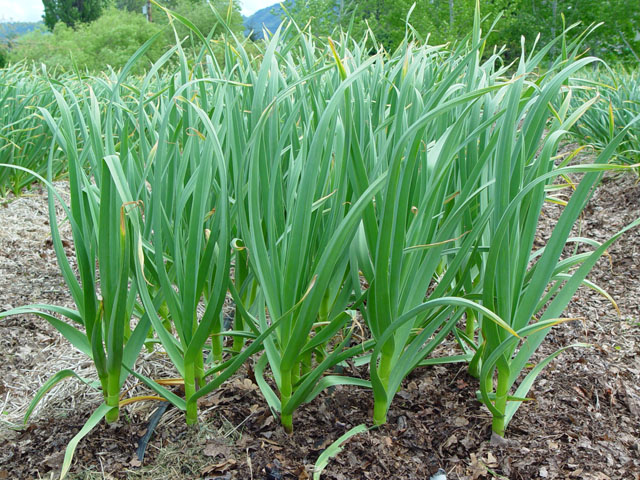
column 15, row 29
column 268, row 16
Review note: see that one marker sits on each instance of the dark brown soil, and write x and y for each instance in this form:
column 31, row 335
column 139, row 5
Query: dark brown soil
column 584, row 422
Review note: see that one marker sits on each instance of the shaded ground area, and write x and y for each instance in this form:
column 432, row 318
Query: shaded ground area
column 584, row 422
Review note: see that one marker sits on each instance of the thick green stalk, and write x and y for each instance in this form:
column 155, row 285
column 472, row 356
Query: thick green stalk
column 380, row 405
column 112, row 397
column 241, row 272
column 199, row 371
column 323, row 319
column 476, row 362
column 470, row 326
column 285, row 396
column 502, row 392
column 295, row 374
column 238, row 325
column 217, row 346
column 189, row 390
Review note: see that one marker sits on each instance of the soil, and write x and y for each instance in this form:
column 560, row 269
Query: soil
column 584, row 422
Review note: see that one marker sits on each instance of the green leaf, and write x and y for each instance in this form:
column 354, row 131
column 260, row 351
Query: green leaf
column 334, row 449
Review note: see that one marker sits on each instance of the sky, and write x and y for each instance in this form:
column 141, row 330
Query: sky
column 31, row 10
column 21, row 10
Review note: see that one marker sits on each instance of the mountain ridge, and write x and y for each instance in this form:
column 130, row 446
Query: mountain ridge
column 269, row 17
column 10, row 29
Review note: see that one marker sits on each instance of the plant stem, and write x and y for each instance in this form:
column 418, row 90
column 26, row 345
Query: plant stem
column 238, row 325
column 112, row 397
column 285, row 396
column 476, row 362
column 380, row 406
column 295, row 374
column 502, row 391
column 189, row 391
column 217, row 346
column 199, row 371
column 470, row 326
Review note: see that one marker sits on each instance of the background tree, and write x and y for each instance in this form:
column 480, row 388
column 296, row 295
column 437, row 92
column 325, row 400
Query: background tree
column 110, row 40
column 4, row 56
column 71, row 12
column 442, row 20
column 385, row 18
column 201, row 15
column 615, row 39
column 451, row 20
column 322, row 15
column 130, row 5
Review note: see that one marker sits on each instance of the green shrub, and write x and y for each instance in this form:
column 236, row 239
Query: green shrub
column 201, row 15
column 115, row 36
column 110, row 40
